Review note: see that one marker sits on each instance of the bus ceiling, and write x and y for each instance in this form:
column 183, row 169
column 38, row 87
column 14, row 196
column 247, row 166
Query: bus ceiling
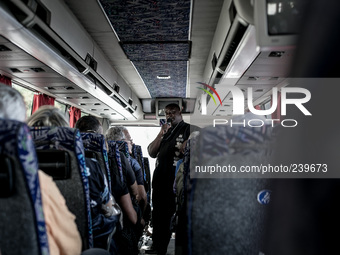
column 116, row 59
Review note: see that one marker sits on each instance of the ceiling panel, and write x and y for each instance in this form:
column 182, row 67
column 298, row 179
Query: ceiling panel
column 173, row 87
column 154, row 36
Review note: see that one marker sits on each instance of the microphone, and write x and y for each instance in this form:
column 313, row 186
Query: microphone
column 168, row 121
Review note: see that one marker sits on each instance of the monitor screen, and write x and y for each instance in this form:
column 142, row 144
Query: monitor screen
column 162, row 103
column 277, row 23
column 283, row 17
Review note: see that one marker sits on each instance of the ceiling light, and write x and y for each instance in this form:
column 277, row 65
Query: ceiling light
column 163, row 77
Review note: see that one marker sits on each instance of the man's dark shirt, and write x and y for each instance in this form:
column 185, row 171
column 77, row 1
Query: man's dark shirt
column 168, row 155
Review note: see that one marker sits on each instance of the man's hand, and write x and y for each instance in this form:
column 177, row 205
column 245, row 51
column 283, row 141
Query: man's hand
column 165, row 128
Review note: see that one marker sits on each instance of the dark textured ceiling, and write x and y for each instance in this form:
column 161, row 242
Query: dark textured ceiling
column 154, row 36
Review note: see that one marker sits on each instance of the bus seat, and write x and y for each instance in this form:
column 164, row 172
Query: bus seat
column 76, row 188
column 95, row 147
column 147, row 178
column 123, row 147
column 134, row 151
column 22, row 224
column 115, row 162
column 138, row 155
column 225, row 214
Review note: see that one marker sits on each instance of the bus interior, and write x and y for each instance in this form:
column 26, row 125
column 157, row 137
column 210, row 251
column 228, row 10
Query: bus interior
column 124, row 61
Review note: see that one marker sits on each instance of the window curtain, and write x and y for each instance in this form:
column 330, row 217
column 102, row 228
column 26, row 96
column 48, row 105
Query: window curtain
column 5, row 80
column 40, row 100
column 277, row 113
column 75, row 115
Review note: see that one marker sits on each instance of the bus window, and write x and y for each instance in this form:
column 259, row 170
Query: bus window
column 60, row 106
column 143, row 136
column 28, row 97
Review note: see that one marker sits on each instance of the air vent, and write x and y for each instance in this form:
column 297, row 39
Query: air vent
column 252, row 78
column 4, row 48
column 276, row 54
column 97, row 104
column 130, row 101
column 50, row 88
column 15, row 70
column 259, row 90
column 82, row 104
column 233, row 46
column 37, row 69
column 69, row 88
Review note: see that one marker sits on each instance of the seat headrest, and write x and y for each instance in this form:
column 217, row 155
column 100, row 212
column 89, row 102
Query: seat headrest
column 56, row 163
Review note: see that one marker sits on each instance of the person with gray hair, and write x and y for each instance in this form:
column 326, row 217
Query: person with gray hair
column 115, row 133
column 120, row 133
column 48, row 116
column 62, row 233
column 133, row 231
column 12, row 105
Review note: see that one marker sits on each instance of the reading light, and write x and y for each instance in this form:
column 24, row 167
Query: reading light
column 163, row 77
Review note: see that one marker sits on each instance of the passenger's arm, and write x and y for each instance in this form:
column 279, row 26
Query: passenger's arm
column 134, row 190
column 126, row 205
column 153, row 147
column 142, row 197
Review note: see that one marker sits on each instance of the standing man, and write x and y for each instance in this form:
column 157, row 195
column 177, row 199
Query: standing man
column 168, row 147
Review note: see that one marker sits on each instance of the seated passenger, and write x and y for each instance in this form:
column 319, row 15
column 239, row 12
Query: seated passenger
column 132, row 230
column 103, row 220
column 122, row 134
column 62, row 233
column 89, row 124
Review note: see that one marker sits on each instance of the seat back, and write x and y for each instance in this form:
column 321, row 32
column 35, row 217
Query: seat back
column 123, row 147
column 74, row 187
column 237, row 204
column 147, row 178
column 22, row 224
column 115, row 162
column 95, row 147
column 138, row 155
